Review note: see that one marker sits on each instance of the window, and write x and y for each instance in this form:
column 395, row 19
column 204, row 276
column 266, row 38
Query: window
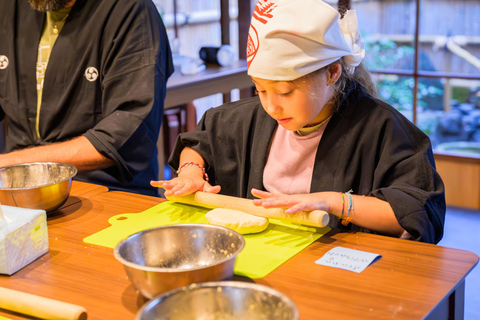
column 425, row 55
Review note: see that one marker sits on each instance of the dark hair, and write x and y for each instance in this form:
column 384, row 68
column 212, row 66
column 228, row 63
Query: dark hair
column 361, row 75
column 342, row 9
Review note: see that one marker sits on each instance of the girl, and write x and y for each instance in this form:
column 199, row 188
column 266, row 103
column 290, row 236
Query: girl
column 315, row 137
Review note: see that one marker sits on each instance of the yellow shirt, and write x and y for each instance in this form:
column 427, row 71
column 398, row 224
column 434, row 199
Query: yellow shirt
column 51, row 29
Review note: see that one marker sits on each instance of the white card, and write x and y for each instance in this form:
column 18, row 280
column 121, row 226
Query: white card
column 348, row 259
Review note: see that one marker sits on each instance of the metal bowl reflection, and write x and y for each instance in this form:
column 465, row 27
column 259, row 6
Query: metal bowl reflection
column 225, row 300
column 164, row 258
column 36, row 185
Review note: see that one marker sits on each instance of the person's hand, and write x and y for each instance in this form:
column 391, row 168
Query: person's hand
column 292, row 203
column 181, row 186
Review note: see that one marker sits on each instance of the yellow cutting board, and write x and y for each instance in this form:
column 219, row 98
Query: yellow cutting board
column 263, row 252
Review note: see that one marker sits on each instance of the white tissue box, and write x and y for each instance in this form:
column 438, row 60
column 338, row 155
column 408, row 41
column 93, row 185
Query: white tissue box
column 23, row 237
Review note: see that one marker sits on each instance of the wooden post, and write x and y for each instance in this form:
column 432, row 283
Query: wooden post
column 245, row 11
column 225, row 33
column 225, row 21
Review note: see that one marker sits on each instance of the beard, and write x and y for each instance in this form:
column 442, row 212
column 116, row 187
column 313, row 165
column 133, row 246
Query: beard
column 48, row 5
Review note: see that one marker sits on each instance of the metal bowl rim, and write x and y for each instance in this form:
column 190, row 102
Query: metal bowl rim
column 75, row 171
column 215, row 284
column 122, row 260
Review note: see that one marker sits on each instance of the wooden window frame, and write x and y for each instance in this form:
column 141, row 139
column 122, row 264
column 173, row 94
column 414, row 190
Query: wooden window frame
column 416, row 74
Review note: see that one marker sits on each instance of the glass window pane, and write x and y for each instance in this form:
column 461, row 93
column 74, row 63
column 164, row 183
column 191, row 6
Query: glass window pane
column 397, row 91
column 449, row 113
column 450, row 36
column 388, row 29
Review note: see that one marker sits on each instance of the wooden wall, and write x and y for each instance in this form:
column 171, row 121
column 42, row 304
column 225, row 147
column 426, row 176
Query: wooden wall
column 461, row 177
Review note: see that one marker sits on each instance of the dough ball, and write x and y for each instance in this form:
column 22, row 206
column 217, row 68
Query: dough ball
column 236, row 220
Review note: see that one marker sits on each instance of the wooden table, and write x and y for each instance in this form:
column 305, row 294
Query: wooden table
column 81, row 191
column 410, row 281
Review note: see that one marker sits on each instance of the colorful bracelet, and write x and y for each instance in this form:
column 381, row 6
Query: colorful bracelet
column 346, row 221
column 193, row 164
column 343, row 205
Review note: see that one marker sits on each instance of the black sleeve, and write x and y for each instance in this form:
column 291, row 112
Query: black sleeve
column 136, row 65
column 409, row 181
column 233, row 141
column 198, row 140
column 209, row 135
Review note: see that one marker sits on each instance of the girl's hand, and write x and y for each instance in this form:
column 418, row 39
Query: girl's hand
column 181, row 186
column 292, row 203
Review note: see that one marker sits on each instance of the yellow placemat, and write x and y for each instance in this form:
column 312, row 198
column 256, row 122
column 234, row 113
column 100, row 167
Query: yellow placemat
column 263, row 252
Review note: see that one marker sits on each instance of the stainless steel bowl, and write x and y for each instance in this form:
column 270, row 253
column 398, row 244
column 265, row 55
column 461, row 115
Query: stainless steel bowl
column 165, row 258
column 37, row 185
column 225, row 300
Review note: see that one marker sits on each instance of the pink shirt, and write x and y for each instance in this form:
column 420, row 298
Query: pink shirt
column 290, row 161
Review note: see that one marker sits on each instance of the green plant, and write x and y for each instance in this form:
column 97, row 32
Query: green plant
column 398, row 90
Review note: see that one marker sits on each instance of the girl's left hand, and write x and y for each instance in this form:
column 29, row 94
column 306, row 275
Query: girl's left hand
column 292, row 203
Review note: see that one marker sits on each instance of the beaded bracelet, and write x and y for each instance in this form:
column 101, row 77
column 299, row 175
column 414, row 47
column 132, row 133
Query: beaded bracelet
column 343, row 205
column 346, row 221
column 193, row 164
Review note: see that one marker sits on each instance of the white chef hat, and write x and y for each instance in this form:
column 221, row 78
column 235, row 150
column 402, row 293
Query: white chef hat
column 291, row 38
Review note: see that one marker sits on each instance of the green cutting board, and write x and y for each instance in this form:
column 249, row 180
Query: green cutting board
column 263, row 252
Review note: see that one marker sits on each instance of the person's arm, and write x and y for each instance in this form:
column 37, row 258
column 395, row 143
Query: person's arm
column 190, row 178
column 78, row 152
column 134, row 68
column 368, row 212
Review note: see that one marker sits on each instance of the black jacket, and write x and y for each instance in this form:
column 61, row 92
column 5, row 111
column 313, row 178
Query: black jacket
column 367, row 146
column 120, row 112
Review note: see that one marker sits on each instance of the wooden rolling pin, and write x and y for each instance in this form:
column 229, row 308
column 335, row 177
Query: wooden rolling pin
column 316, row 218
column 40, row 307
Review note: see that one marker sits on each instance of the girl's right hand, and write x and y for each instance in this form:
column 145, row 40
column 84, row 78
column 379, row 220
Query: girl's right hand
column 182, row 185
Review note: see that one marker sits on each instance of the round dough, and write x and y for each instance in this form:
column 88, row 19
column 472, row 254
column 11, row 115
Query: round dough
column 236, row 220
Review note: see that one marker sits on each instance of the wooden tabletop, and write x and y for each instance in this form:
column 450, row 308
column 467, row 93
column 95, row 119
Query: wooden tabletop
column 410, row 281
column 81, row 191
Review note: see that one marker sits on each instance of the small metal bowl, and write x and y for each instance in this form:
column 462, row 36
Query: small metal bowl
column 36, row 185
column 169, row 257
column 220, row 301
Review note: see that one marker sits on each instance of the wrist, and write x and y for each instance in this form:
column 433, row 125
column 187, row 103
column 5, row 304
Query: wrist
column 336, row 202
column 347, row 208
column 192, row 168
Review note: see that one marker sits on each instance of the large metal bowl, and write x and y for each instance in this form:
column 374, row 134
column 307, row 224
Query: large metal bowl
column 36, row 185
column 225, row 300
column 165, row 258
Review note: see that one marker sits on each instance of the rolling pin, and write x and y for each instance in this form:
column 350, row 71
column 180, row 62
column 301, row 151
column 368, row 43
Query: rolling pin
column 315, row 218
column 40, row 307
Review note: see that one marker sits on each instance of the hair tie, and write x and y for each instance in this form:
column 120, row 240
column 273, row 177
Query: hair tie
column 349, row 28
